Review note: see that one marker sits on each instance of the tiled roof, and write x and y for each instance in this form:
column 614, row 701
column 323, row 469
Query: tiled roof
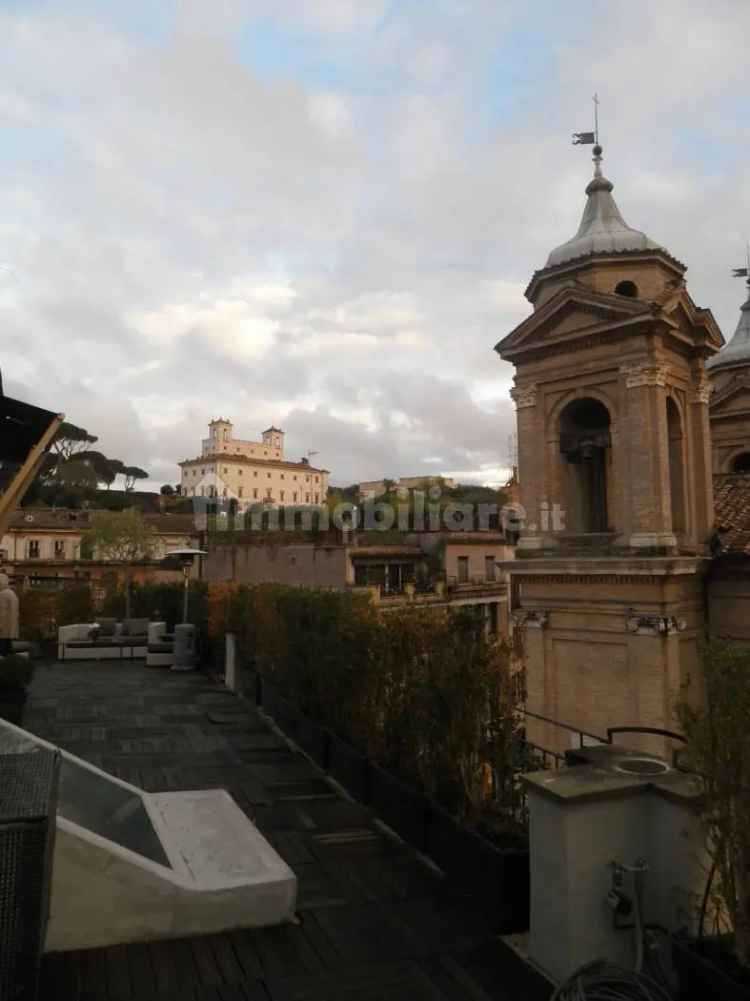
column 732, row 511
column 62, row 519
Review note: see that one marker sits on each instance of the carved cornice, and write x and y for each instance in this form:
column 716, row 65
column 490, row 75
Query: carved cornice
column 598, row 578
column 644, row 375
column 524, row 396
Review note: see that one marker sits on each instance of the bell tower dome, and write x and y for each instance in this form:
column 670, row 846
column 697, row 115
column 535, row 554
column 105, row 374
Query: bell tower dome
column 611, row 391
column 614, row 454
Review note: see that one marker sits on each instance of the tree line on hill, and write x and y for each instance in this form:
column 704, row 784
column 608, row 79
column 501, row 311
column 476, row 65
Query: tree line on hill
column 73, row 472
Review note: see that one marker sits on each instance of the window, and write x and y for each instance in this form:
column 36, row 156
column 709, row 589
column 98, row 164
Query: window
column 316, row 498
column 282, row 476
column 463, row 569
column 225, row 469
column 307, row 498
column 281, row 495
column 59, row 549
column 294, row 496
column 294, row 477
column 255, row 493
column 269, row 475
column 255, row 472
column 34, row 549
column 203, row 472
column 317, row 479
column 265, row 453
column 224, row 492
column 489, row 567
column 628, row 289
column 239, row 491
column 307, row 479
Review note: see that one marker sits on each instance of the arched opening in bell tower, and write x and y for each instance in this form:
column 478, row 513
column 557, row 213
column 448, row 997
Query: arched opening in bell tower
column 586, row 444
column 676, row 466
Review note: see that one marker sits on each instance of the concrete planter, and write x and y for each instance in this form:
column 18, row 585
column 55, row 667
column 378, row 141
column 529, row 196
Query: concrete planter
column 702, row 975
column 401, row 807
column 349, row 767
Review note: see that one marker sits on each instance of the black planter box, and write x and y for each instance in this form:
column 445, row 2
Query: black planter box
column 251, row 685
column 401, row 807
column 12, row 702
column 700, row 977
column 498, row 877
column 314, row 740
column 281, row 710
column 349, row 767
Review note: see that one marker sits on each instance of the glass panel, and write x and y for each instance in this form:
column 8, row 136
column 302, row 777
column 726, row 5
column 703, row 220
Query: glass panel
column 97, row 803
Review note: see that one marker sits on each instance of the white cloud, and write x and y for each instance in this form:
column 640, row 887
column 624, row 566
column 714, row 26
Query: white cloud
column 337, row 245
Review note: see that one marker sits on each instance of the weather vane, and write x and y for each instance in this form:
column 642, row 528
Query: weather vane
column 743, row 272
column 589, row 138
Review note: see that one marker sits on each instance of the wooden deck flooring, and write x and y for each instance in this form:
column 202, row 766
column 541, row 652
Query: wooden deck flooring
column 376, row 923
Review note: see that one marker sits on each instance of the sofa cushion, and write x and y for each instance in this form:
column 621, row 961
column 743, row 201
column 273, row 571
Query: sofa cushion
column 135, row 627
column 107, row 626
column 161, row 648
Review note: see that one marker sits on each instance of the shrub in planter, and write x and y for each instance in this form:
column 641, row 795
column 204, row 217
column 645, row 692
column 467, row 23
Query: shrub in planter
column 718, row 749
column 15, row 675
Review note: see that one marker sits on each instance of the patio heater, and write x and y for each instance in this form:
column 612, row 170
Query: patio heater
column 185, row 559
column 185, row 645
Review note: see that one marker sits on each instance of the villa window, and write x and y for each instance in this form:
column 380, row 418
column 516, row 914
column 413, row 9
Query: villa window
column 239, row 491
column 239, row 472
column 224, row 492
column 294, row 496
column 463, row 569
column 281, row 495
column 255, row 493
column 34, row 549
column 59, row 549
column 294, row 477
column 282, row 476
column 307, row 498
column 489, row 567
column 255, row 472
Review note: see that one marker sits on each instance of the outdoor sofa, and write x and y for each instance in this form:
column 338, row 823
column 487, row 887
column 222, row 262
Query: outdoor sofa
column 123, row 640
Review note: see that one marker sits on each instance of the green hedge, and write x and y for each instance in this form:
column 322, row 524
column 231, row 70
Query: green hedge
column 424, row 693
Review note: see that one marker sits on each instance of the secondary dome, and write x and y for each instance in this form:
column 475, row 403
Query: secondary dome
column 737, row 351
column 602, row 230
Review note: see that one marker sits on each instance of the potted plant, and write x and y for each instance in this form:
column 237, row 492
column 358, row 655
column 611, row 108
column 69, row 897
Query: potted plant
column 719, row 751
column 15, row 675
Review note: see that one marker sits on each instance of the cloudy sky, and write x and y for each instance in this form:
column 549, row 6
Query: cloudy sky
column 323, row 213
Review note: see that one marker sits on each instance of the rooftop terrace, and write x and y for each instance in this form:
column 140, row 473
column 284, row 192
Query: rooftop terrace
column 377, row 923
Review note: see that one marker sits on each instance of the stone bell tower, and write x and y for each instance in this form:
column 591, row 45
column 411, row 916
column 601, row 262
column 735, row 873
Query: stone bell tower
column 614, row 457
